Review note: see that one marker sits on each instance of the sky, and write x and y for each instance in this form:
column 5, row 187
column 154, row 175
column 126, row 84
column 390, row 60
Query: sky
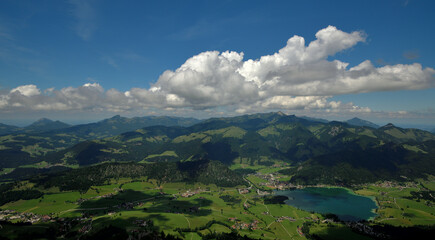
column 81, row 61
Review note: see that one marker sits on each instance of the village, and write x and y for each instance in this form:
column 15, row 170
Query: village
column 243, row 225
column 25, row 217
column 272, row 181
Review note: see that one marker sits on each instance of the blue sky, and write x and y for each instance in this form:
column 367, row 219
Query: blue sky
column 86, row 60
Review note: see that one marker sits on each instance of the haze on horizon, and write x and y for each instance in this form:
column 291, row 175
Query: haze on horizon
column 81, row 61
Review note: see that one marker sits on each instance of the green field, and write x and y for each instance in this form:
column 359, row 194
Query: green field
column 211, row 209
column 166, row 207
column 164, row 154
column 397, row 206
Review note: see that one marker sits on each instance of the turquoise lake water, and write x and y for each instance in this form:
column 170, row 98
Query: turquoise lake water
column 339, row 201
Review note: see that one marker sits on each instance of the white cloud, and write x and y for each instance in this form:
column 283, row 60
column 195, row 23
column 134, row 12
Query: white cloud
column 302, row 104
column 85, row 16
column 298, row 64
column 110, row 61
column 26, row 90
column 208, row 79
column 296, row 78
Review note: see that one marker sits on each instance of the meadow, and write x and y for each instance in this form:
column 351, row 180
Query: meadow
column 397, row 206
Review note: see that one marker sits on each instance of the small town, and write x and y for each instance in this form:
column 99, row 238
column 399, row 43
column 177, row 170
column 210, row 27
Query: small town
column 26, row 217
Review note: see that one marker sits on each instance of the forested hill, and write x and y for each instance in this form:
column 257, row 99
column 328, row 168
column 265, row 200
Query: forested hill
column 200, row 170
column 386, row 162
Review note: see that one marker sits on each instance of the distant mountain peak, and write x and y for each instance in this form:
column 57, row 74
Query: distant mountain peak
column 43, row 120
column 281, row 113
column 389, row 125
column 116, row 117
column 361, row 123
column 45, row 124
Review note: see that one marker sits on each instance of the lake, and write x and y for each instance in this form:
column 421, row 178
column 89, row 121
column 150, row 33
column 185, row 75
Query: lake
column 339, row 201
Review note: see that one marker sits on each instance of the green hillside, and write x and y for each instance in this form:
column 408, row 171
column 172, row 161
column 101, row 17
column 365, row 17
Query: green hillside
column 386, row 162
column 202, row 171
column 22, row 146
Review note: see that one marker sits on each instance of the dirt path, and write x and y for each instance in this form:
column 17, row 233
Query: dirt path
column 30, row 209
column 191, row 234
column 291, row 236
column 268, row 210
column 187, row 220
column 270, row 224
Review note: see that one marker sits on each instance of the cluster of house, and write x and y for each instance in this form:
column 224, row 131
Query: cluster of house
column 86, row 228
column 272, row 181
column 244, row 190
column 243, row 225
column 299, row 230
column 12, row 215
column 190, row 193
column 282, row 218
column 391, row 184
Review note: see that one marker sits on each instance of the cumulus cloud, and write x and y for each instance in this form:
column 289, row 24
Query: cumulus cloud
column 208, row 79
column 26, row 90
column 297, row 77
column 29, row 97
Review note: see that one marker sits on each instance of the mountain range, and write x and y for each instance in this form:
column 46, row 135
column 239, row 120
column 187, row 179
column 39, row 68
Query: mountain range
column 320, row 152
column 107, row 127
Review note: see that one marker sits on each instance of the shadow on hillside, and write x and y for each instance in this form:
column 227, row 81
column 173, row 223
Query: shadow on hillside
column 122, row 200
column 220, row 151
column 194, row 207
column 130, row 221
column 130, row 199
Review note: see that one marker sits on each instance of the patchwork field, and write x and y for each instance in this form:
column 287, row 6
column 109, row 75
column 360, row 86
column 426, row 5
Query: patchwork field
column 192, row 210
column 122, row 203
